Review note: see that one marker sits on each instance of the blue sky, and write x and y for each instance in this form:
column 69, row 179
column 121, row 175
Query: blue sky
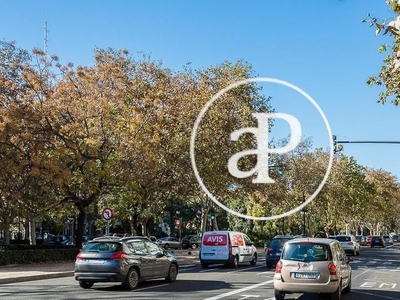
column 320, row 46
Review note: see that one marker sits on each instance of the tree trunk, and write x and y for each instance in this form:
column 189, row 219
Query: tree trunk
column 79, row 230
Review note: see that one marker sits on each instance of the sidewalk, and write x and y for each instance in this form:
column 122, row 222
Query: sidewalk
column 21, row 273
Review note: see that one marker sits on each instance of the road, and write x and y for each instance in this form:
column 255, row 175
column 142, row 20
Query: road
column 375, row 276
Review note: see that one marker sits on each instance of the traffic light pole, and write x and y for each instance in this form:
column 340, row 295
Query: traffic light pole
column 337, row 147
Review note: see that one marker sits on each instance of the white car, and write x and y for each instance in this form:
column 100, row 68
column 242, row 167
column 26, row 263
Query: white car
column 313, row 265
column 349, row 243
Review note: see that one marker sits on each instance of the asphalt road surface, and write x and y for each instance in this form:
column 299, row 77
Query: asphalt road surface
column 376, row 275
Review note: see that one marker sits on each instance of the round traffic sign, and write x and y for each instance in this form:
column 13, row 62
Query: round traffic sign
column 107, row 214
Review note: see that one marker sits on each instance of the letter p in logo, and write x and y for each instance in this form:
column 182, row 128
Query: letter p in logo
column 262, row 151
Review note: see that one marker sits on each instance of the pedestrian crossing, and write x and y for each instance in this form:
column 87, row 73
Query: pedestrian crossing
column 375, row 263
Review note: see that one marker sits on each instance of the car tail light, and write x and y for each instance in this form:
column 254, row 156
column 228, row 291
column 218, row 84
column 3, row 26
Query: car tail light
column 350, row 243
column 118, row 256
column 79, row 256
column 332, row 269
column 270, row 250
column 278, row 268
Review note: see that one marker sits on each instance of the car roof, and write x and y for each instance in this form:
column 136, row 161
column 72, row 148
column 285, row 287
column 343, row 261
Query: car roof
column 313, row 240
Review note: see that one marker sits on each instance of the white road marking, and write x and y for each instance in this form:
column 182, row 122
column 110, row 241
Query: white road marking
column 240, row 290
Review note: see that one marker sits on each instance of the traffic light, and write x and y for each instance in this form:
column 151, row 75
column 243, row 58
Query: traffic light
column 212, row 217
column 336, row 147
column 334, row 139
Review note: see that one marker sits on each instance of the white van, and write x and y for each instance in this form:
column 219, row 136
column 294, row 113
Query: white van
column 226, row 247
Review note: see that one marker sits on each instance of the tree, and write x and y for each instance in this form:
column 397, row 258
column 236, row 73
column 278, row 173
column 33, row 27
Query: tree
column 389, row 74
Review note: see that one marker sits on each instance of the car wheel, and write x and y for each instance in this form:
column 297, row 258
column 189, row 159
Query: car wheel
column 132, row 279
column 166, row 246
column 347, row 289
column 85, row 284
column 337, row 295
column 254, row 260
column 235, row 262
column 172, row 273
column 204, row 265
column 194, row 246
column 279, row 295
column 358, row 252
column 354, row 252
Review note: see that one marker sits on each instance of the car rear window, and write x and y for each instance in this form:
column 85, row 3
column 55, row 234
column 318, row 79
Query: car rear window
column 306, row 252
column 107, row 247
column 343, row 238
column 278, row 243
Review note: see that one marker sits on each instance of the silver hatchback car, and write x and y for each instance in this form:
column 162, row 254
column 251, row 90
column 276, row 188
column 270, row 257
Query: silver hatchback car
column 313, row 265
column 126, row 260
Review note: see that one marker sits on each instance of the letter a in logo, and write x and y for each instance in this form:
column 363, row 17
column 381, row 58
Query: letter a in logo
column 262, row 151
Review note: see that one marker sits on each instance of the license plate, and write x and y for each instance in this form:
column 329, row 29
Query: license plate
column 96, row 261
column 305, row 275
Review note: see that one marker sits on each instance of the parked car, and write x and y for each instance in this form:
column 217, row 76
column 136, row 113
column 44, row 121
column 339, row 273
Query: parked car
column 169, row 242
column 125, row 260
column 388, row 240
column 361, row 239
column 274, row 249
column 230, row 248
column 349, row 243
column 368, row 239
column 377, row 240
column 395, row 238
column 191, row 241
column 312, row 265
column 58, row 240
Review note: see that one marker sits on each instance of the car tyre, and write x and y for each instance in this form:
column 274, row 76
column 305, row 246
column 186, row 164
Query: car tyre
column 279, row 295
column 235, row 262
column 85, row 284
column 347, row 289
column 336, row 295
column 132, row 279
column 172, row 273
column 254, row 260
column 166, row 246
column 194, row 246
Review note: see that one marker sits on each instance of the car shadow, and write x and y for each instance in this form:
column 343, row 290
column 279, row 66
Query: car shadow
column 365, row 294
column 159, row 285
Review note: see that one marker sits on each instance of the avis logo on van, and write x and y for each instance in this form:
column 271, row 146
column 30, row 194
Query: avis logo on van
column 215, row 240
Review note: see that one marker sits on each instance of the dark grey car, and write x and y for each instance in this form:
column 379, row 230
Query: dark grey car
column 125, row 260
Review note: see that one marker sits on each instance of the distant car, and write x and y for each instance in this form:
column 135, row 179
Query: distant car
column 274, row 249
column 349, row 243
column 313, row 265
column 58, row 240
column 368, row 239
column 377, row 240
column 191, row 241
column 169, row 242
column 361, row 240
column 388, row 240
column 395, row 238
column 126, row 260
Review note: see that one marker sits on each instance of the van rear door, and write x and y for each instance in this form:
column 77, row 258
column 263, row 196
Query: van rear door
column 214, row 246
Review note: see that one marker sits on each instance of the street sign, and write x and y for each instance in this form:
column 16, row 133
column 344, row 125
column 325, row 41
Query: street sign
column 107, row 214
column 177, row 222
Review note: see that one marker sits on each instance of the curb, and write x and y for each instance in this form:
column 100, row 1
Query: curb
column 36, row 277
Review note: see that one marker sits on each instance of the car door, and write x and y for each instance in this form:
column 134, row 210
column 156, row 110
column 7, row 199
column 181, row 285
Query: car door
column 142, row 255
column 161, row 262
column 343, row 261
column 248, row 249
